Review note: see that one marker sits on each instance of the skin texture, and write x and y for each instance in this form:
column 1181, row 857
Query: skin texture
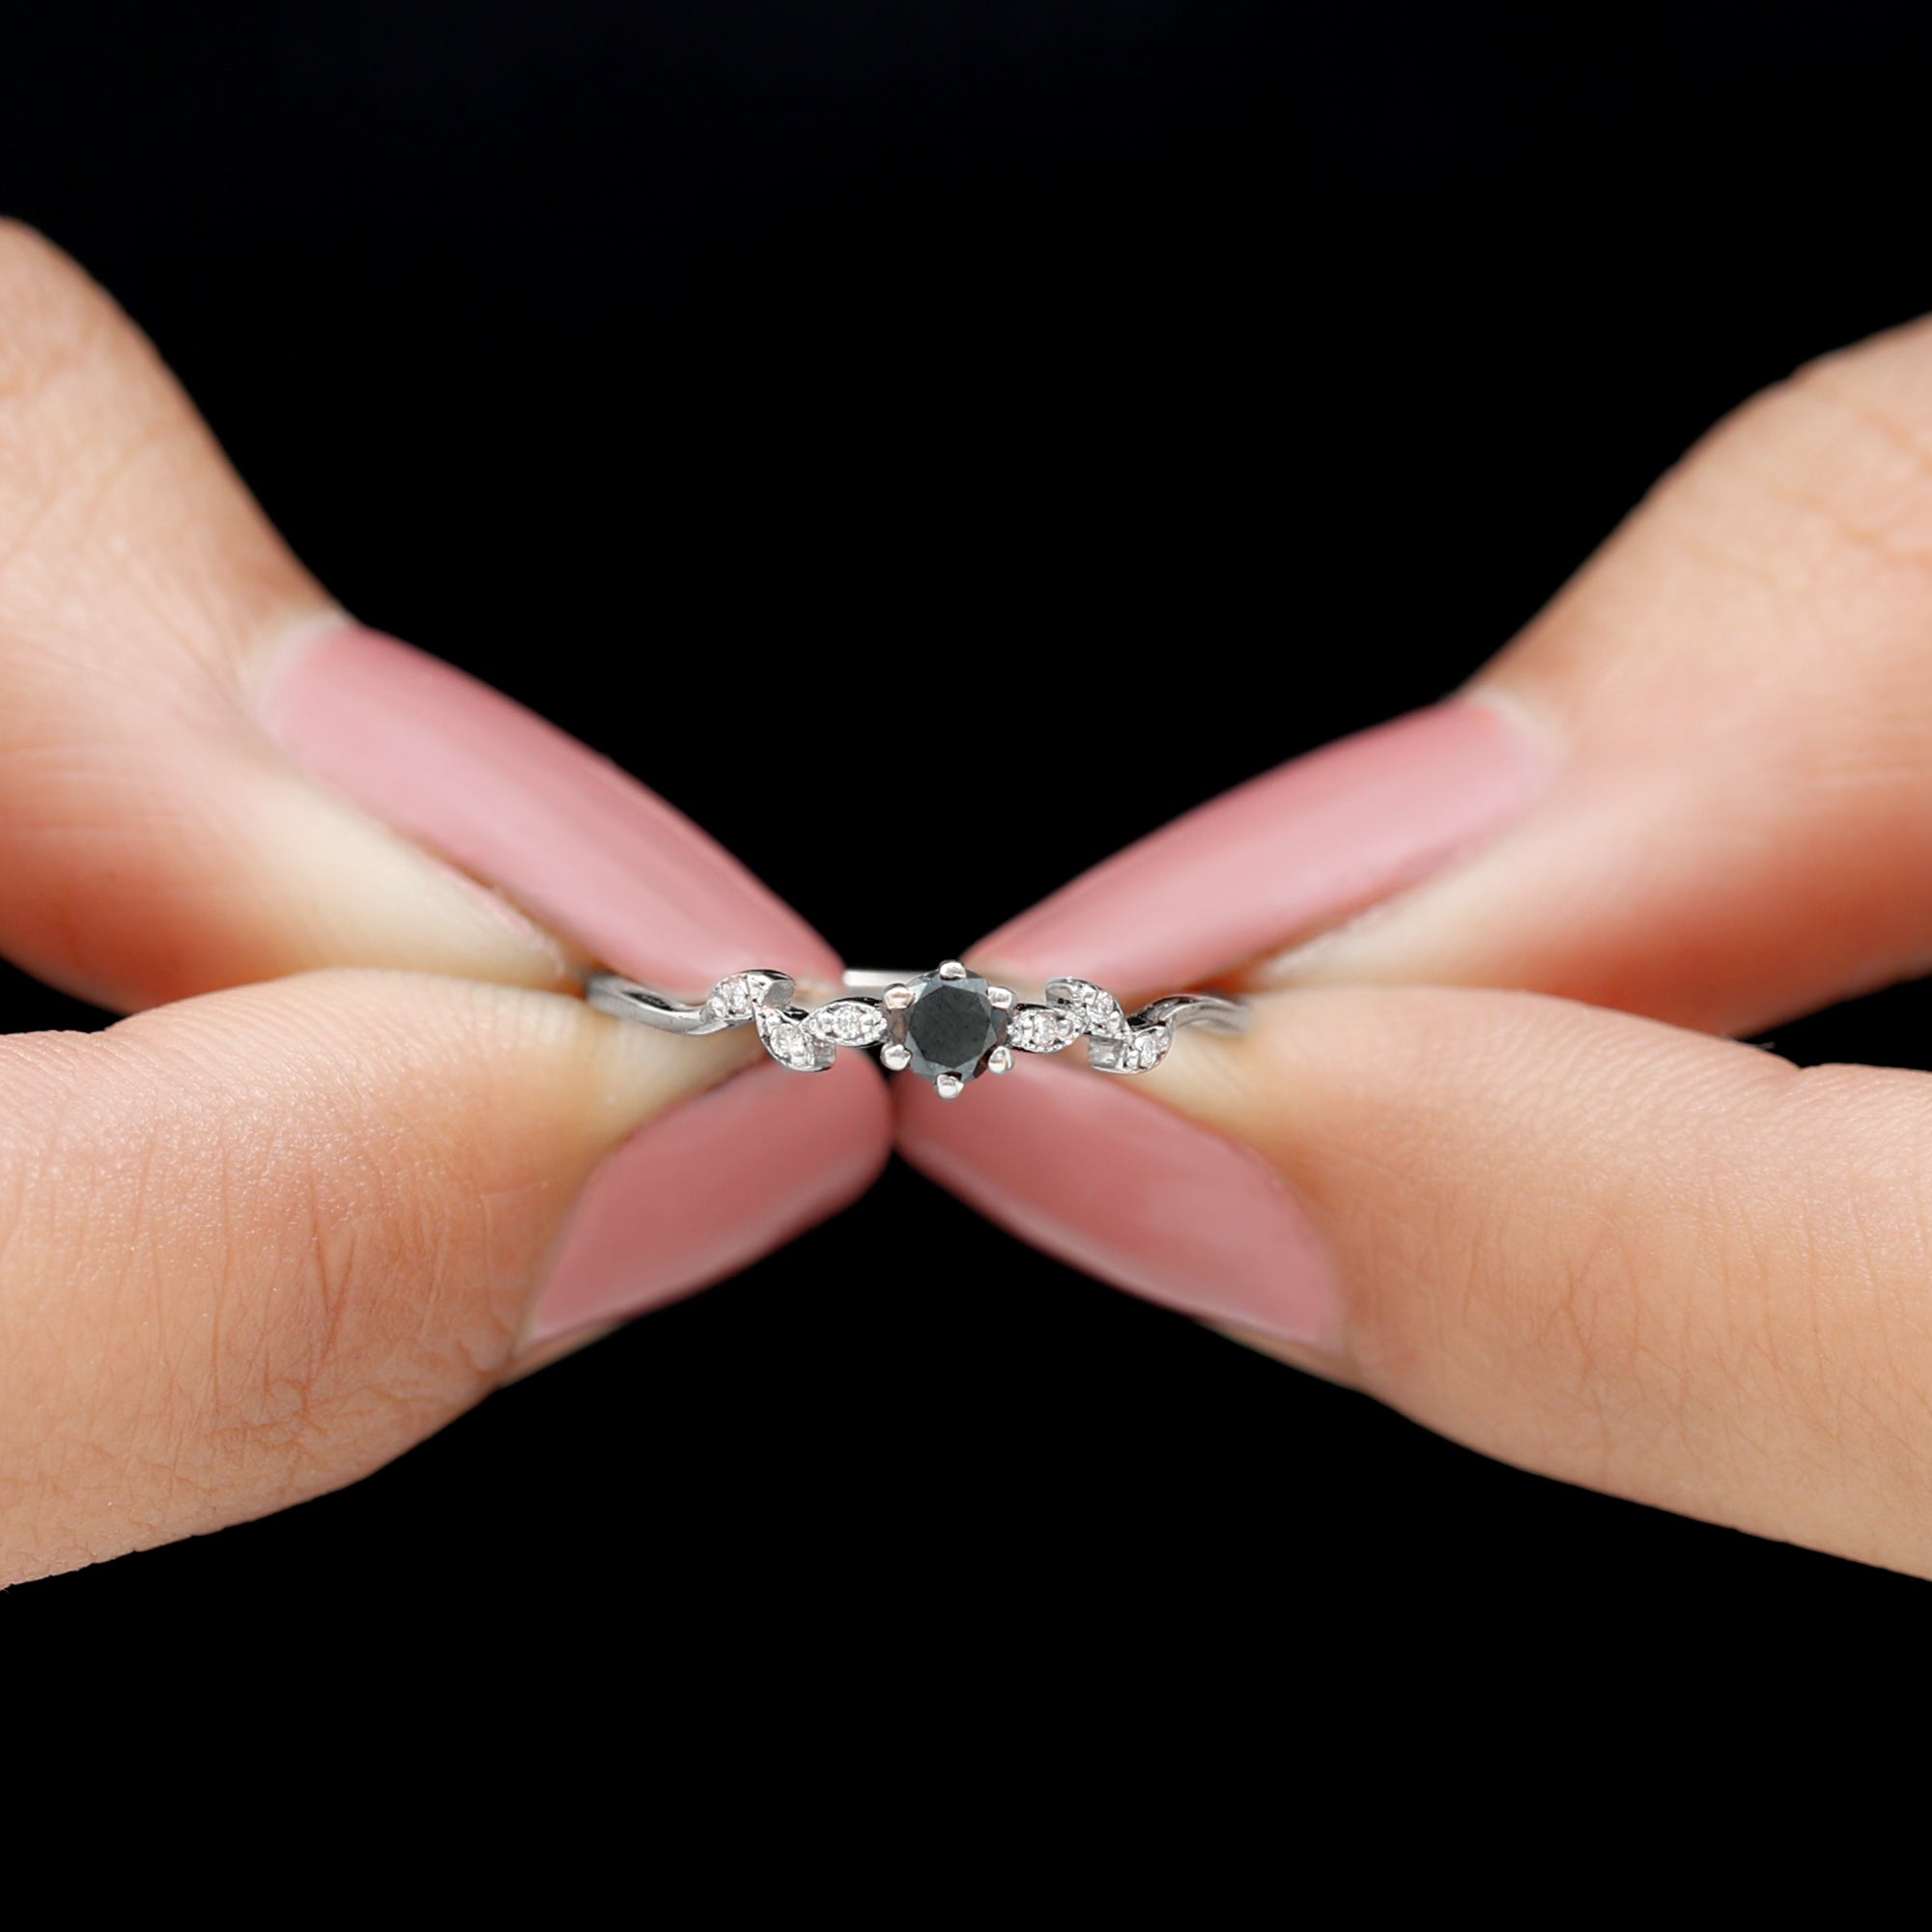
column 1483, row 1156
column 513, row 800
column 1301, row 847
column 258, row 1241
column 1616, row 1251
column 1663, row 1264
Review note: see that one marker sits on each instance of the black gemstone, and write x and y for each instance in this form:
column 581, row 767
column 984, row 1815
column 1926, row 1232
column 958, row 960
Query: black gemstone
column 951, row 1026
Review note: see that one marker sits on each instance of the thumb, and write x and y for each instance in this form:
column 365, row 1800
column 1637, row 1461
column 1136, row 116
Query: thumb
column 1656, row 1262
column 326, row 1214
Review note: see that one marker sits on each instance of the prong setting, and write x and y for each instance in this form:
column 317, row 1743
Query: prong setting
column 947, row 1025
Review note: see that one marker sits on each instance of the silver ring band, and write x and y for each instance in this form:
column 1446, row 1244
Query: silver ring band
column 947, row 1025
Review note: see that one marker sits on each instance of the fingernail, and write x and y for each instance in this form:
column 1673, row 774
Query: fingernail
column 1120, row 1187
column 511, row 799
column 705, row 1190
column 1303, row 846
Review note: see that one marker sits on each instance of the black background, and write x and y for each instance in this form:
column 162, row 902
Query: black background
column 1322, row 339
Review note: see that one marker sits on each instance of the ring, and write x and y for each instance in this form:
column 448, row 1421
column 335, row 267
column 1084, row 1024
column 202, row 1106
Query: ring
column 947, row 1025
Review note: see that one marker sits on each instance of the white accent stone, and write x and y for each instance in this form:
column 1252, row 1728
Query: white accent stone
column 732, row 998
column 1150, row 1047
column 790, row 1045
column 847, row 1023
column 1096, row 1010
column 1041, row 1029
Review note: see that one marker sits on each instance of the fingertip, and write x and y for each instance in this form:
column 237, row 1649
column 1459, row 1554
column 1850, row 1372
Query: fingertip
column 1302, row 848
column 1115, row 1184
column 585, row 847
column 209, row 774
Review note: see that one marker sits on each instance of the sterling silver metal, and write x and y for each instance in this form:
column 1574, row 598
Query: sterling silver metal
column 876, row 1011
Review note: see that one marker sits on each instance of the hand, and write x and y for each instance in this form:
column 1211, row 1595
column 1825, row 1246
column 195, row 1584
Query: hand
column 256, row 1242
column 1611, row 1248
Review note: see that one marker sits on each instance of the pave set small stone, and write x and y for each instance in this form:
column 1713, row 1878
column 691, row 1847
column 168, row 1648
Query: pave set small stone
column 848, row 1023
column 1042, row 1028
column 731, row 999
column 948, row 1026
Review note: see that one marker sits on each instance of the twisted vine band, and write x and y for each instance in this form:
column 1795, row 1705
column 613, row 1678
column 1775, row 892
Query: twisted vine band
column 947, row 1025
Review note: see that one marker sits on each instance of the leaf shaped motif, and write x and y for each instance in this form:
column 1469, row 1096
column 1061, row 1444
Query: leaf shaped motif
column 1094, row 1008
column 739, row 996
column 731, row 1000
column 787, row 1041
column 1041, row 1029
column 847, row 1023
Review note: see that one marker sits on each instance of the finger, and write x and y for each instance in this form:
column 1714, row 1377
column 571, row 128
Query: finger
column 1699, row 786
column 257, row 1243
column 208, row 775
column 1644, row 1259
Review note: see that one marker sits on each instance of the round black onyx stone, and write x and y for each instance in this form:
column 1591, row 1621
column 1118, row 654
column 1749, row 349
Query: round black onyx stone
column 951, row 1026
